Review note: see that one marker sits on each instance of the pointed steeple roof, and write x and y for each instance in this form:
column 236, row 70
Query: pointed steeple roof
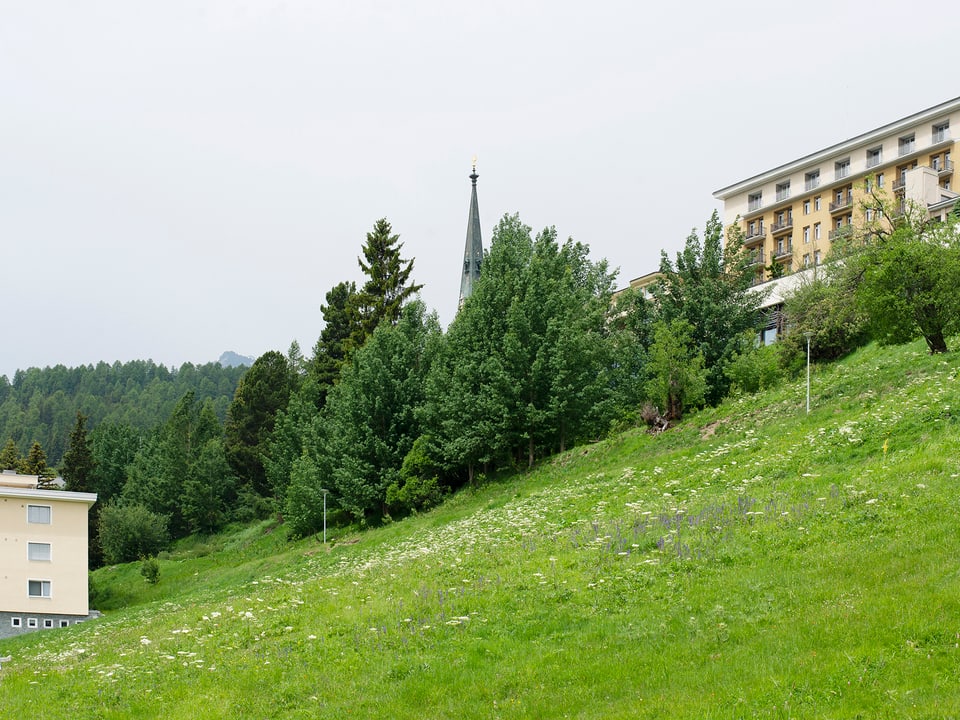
column 473, row 249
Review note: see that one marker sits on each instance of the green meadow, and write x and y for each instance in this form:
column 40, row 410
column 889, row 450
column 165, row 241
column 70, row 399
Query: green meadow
column 754, row 561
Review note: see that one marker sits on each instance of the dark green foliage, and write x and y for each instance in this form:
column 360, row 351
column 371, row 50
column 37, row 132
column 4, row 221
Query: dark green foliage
column 825, row 306
column 527, row 367
column 113, row 447
column 10, row 456
column 906, row 272
column 388, row 284
column 753, row 367
column 78, row 464
column 418, row 486
column 678, row 378
column 707, row 287
column 304, row 504
column 340, row 324
column 35, row 463
column 369, row 421
column 42, row 404
column 178, row 468
column 150, row 569
column 129, row 532
column 262, row 393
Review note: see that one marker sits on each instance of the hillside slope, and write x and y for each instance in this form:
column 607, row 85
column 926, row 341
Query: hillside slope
column 754, row 562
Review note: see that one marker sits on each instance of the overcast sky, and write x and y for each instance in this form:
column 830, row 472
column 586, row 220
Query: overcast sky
column 179, row 178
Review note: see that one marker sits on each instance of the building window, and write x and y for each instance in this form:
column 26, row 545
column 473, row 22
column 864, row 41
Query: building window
column 941, row 131
column 811, row 181
column 783, row 190
column 64, row 623
column 816, row 257
column 816, row 203
column 806, row 260
column 806, row 207
column 842, row 169
column 879, row 180
column 945, row 184
column 806, row 234
column 31, row 622
column 868, row 214
column 48, row 623
column 751, row 229
column 16, row 622
column 874, row 157
column 907, row 144
column 38, row 551
column 39, row 514
column 38, row 588
column 816, row 231
column 754, row 201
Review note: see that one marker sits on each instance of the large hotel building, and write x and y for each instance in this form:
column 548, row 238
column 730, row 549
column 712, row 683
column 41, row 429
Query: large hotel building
column 791, row 215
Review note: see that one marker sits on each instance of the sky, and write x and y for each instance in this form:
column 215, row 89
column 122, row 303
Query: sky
column 179, row 178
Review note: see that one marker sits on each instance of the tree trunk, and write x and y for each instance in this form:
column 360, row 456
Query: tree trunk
column 936, row 342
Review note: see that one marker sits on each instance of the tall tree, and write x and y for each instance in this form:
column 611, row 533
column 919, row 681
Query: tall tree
column 340, row 324
column 370, row 418
column 388, row 283
column 78, row 463
column 707, row 287
column 906, row 269
column 10, row 456
column 263, row 391
column 678, row 380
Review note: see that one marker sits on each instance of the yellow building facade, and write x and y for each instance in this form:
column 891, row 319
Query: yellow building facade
column 43, row 555
column 791, row 215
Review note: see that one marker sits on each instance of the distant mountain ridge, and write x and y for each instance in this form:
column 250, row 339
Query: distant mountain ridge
column 231, row 359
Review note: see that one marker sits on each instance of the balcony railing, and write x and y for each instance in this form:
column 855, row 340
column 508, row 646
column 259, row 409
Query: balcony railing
column 840, row 232
column 812, row 183
column 779, row 227
column 756, row 257
column 843, row 203
column 753, row 205
column 944, row 168
column 941, row 135
column 783, row 252
column 755, row 236
column 906, row 148
column 898, row 185
column 783, row 195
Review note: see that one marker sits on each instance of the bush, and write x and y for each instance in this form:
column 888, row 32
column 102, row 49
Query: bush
column 128, row 532
column 753, row 367
column 827, row 309
column 150, row 569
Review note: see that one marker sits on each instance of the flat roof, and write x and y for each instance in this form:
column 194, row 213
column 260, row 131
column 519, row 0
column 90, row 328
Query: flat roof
column 821, row 155
column 34, row 494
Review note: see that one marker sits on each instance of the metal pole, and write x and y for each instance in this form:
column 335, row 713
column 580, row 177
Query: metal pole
column 324, row 516
column 808, row 372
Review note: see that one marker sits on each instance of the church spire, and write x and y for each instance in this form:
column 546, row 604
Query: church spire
column 473, row 250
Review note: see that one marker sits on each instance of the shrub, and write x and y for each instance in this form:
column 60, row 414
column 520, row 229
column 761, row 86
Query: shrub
column 753, row 367
column 128, row 532
column 150, row 569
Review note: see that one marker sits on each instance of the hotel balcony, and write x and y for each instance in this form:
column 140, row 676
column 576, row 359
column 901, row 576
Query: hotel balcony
column 843, row 203
column 840, row 233
column 899, row 185
column 944, row 167
column 756, row 257
column 780, row 227
column 783, row 252
column 754, row 237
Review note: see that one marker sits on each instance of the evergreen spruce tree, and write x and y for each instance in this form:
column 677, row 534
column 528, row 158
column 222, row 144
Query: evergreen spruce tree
column 386, row 289
column 10, row 456
column 78, row 463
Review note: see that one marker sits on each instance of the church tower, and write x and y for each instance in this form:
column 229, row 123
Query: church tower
column 473, row 250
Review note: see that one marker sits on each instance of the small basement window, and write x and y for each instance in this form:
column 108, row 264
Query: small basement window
column 16, row 622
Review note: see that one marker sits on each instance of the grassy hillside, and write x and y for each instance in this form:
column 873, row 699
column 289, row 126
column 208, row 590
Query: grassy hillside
column 754, row 562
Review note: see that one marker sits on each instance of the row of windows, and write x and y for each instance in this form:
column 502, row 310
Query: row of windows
column 33, row 623
column 906, row 145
